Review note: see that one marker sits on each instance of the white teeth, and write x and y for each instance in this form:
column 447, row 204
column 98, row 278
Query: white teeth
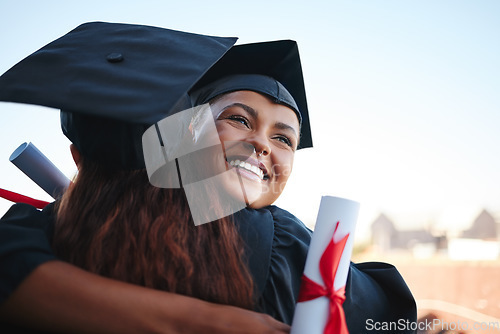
column 254, row 169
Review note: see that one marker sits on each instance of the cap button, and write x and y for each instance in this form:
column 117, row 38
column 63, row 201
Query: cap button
column 114, row 57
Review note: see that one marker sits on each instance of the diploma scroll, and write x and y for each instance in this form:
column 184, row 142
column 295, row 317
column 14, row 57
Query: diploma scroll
column 319, row 308
column 40, row 169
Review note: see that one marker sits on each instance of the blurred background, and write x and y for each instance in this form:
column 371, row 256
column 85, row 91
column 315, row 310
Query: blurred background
column 405, row 111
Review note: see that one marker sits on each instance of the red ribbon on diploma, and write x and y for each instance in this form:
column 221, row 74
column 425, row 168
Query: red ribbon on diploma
column 18, row 198
column 309, row 289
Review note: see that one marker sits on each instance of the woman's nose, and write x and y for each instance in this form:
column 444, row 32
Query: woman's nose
column 261, row 144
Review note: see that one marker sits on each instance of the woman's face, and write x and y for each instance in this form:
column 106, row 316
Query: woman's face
column 244, row 119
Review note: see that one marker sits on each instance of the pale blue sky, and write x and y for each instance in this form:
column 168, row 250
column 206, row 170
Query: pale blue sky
column 403, row 95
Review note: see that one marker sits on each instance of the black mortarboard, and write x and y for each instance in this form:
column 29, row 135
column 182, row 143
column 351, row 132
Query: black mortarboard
column 279, row 60
column 112, row 81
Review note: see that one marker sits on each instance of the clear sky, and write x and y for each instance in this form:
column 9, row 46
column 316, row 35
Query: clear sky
column 403, row 96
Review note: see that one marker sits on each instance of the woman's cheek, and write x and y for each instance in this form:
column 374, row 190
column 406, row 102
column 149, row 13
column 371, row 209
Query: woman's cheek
column 225, row 133
column 282, row 169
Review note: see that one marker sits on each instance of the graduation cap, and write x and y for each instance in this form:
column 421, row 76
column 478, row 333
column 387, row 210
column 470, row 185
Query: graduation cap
column 244, row 67
column 112, row 81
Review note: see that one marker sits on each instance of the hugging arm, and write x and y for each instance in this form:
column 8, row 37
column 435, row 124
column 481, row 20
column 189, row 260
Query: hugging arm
column 59, row 297
column 38, row 291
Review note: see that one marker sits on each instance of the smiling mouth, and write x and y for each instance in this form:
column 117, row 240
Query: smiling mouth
column 257, row 170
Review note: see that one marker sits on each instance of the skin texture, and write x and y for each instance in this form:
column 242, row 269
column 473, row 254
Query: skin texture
column 101, row 305
column 273, row 129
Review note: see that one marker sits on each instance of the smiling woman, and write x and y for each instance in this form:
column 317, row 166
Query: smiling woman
column 111, row 221
column 133, row 238
column 272, row 129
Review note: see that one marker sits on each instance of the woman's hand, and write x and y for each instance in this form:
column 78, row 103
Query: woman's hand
column 62, row 298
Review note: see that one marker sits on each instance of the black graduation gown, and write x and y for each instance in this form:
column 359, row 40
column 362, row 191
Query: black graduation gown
column 276, row 248
column 375, row 291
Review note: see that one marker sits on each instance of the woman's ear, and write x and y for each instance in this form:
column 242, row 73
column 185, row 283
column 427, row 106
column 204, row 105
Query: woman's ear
column 76, row 154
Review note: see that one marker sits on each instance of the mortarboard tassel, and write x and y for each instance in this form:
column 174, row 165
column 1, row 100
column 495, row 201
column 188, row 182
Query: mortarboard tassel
column 18, row 198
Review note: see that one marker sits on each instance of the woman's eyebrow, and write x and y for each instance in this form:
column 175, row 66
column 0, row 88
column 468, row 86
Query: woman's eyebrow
column 284, row 126
column 248, row 109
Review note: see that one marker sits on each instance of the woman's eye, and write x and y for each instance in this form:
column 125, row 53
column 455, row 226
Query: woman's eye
column 285, row 140
column 239, row 119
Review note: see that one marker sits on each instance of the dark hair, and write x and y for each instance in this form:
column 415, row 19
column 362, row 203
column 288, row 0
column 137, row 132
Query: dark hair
column 116, row 224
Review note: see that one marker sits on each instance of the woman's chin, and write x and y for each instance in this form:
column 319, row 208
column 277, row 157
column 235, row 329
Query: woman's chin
column 243, row 187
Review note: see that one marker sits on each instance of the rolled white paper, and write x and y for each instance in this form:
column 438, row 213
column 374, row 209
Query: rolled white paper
column 311, row 316
column 40, row 169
